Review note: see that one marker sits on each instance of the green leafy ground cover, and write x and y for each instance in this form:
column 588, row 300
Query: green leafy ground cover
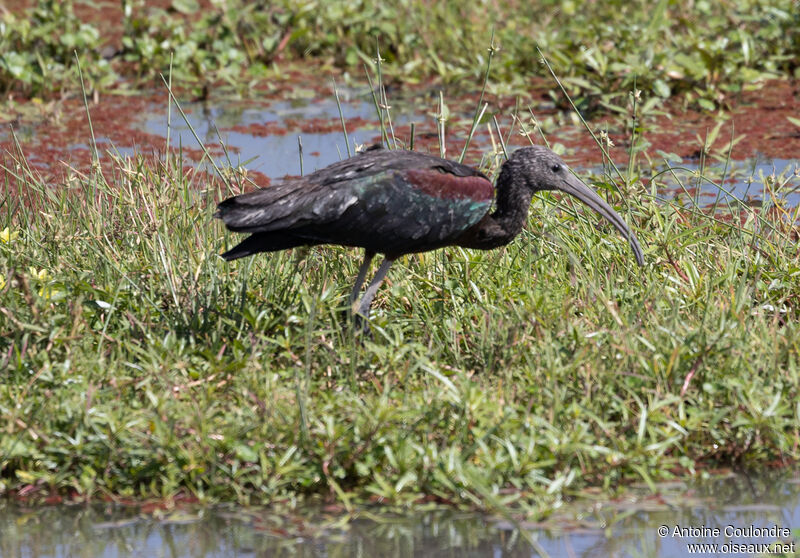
column 135, row 362
column 704, row 51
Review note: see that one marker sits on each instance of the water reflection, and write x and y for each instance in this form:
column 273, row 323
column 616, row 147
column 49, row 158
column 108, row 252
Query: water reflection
column 625, row 527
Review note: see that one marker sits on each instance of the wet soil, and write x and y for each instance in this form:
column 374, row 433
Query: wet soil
column 56, row 135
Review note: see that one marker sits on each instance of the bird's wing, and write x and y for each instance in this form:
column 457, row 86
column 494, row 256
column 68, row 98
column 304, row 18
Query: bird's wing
column 379, row 200
column 318, row 198
column 286, row 206
column 401, row 211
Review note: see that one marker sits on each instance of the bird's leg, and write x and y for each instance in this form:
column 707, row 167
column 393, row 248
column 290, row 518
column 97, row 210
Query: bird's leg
column 362, row 274
column 363, row 307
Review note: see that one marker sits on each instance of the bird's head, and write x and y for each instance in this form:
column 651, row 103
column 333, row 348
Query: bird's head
column 541, row 169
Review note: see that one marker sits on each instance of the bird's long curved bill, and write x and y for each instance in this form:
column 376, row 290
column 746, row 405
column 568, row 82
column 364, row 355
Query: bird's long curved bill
column 571, row 185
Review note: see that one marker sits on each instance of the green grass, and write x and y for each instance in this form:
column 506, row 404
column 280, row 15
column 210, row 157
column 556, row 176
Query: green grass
column 137, row 363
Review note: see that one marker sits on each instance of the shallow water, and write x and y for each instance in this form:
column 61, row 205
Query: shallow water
column 261, row 135
column 743, row 180
column 628, row 527
column 277, row 155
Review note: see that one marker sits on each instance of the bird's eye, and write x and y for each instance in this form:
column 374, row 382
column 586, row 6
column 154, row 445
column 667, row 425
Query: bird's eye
column 556, row 168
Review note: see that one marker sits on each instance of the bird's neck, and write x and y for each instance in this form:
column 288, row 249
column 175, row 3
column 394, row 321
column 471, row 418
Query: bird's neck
column 512, row 204
column 505, row 223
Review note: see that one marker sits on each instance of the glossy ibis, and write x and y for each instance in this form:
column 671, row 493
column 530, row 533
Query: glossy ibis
column 401, row 202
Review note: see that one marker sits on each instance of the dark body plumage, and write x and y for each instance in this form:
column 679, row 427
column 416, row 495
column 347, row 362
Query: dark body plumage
column 400, row 202
column 388, row 202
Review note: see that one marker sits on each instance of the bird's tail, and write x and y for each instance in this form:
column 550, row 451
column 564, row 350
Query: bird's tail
column 263, row 242
column 237, row 216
